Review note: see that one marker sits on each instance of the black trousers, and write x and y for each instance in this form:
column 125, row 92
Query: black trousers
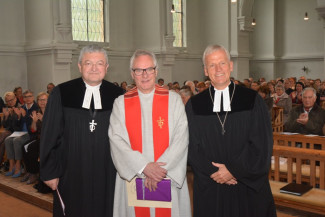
column 31, row 157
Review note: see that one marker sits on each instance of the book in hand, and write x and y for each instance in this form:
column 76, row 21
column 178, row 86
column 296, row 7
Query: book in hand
column 162, row 193
column 295, row 189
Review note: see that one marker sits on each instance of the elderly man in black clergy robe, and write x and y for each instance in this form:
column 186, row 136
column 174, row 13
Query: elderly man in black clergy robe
column 230, row 145
column 75, row 154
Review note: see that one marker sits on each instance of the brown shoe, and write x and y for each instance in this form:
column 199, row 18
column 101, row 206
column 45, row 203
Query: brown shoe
column 32, row 179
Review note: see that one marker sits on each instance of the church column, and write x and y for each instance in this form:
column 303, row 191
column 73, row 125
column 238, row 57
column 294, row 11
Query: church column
column 63, row 43
column 241, row 27
column 321, row 11
column 49, row 43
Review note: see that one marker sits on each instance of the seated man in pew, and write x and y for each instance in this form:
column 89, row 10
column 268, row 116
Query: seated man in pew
column 307, row 118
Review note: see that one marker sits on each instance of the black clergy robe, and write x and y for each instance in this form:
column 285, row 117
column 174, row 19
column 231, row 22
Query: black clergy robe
column 245, row 149
column 80, row 158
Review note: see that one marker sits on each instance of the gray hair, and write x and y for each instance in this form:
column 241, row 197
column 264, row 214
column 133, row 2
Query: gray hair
column 213, row 48
column 280, row 86
column 186, row 92
column 138, row 53
column 27, row 91
column 94, row 48
column 308, row 88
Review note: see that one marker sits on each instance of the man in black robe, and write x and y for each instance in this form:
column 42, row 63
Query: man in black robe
column 74, row 150
column 230, row 145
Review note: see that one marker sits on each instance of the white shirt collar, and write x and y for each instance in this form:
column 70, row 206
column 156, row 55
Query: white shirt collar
column 92, row 91
column 217, row 99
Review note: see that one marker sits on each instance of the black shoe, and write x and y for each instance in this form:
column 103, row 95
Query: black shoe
column 25, row 177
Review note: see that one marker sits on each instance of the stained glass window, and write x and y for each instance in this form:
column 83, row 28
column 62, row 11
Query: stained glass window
column 178, row 23
column 88, row 20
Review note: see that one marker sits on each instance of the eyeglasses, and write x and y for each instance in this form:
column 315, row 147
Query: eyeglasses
column 99, row 64
column 29, row 96
column 149, row 71
column 10, row 100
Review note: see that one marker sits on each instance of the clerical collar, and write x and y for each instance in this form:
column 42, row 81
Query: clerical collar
column 92, row 91
column 217, row 99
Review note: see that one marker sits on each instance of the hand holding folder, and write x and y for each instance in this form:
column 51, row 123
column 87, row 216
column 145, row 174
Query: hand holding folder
column 162, row 192
column 159, row 199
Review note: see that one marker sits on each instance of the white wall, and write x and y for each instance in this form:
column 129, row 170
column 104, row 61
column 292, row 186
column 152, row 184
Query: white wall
column 13, row 71
column 281, row 48
column 38, row 47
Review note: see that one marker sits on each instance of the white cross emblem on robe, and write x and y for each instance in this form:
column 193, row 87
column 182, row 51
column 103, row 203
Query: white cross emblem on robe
column 92, row 126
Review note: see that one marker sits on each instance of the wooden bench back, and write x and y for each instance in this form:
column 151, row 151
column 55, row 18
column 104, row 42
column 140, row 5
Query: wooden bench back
column 277, row 119
column 305, row 141
column 298, row 155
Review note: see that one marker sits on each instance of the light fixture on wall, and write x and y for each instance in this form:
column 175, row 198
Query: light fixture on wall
column 173, row 10
column 233, row 1
column 253, row 22
column 306, row 16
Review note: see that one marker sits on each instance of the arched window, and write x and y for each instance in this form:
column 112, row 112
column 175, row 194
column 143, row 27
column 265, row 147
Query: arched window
column 178, row 11
column 88, row 20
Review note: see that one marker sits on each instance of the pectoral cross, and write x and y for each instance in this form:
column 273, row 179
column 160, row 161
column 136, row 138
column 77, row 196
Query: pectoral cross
column 160, row 122
column 92, row 126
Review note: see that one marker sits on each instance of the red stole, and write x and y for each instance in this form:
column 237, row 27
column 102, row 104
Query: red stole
column 160, row 132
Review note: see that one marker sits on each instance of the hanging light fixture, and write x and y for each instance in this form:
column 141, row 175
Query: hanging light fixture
column 253, row 22
column 173, row 9
column 306, row 16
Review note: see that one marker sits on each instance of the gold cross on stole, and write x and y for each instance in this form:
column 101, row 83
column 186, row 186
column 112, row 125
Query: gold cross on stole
column 160, row 122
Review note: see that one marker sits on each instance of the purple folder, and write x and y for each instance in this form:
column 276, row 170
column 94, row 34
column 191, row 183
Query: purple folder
column 162, row 193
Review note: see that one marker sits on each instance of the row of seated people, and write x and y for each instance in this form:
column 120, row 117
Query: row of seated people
column 21, row 135
column 305, row 117
column 18, row 91
column 301, row 106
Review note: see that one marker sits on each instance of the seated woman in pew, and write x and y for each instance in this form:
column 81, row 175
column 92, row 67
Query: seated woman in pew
column 281, row 99
column 31, row 149
column 296, row 95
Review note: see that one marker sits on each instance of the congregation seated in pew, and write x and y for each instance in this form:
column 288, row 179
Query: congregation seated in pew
column 14, row 145
column 10, row 120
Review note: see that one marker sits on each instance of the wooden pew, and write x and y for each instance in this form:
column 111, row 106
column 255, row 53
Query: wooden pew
column 277, row 119
column 312, row 201
column 305, row 140
column 290, row 165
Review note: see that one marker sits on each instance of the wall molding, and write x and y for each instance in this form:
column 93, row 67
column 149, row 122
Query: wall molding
column 288, row 59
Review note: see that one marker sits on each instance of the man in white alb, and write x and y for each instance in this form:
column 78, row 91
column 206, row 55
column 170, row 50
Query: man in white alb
column 149, row 139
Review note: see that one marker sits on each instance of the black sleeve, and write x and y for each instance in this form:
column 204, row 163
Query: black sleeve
column 200, row 163
column 51, row 150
